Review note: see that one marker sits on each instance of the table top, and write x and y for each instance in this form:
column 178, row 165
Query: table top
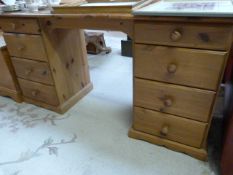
column 192, row 8
column 161, row 8
column 48, row 14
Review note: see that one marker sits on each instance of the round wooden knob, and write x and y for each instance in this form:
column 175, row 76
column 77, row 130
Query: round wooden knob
column 167, row 102
column 164, row 130
column 176, row 35
column 171, row 68
column 35, row 93
column 28, row 71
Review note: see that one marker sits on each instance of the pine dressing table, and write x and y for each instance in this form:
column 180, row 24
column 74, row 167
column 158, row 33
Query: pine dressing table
column 178, row 65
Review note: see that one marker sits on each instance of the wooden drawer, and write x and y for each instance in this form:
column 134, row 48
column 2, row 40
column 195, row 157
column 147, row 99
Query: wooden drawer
column 191, row 67
column 19, row 25
column 39, row 92
column 177, row 34
column 26, row 46
column 170, row 127
column 32, row 70
column 178, row 100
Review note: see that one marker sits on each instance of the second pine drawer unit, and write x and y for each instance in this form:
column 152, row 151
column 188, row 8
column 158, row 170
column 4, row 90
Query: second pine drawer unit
column 184, row 35
column 52, row 72
column 29, row 58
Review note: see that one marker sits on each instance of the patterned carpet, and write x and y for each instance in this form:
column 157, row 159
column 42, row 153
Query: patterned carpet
column 91, row 138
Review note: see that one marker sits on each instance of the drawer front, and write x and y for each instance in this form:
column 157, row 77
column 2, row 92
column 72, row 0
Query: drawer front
column 191, row 67
column 170, row 127
column 26, row 46
column 194, row 36
column 19, row 25
column 39, row 92
column 32, row 70
column 178, row 100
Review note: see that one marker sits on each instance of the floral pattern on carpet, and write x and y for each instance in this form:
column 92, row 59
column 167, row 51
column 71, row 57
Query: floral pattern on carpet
column 48, row 144
column 15, row 116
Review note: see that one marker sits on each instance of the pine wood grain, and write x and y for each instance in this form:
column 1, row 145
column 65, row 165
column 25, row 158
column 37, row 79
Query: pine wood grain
column 68, row 62
column 20, row 25
column 170, row 127
column 118, row 22
column 178, row 100
column 26, row 46
column 190, row 67
column 32, row 70
column 184, row 35
column 39, row 92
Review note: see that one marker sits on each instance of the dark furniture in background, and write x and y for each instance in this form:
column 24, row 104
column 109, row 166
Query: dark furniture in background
column 227, row 152
column 126, row 47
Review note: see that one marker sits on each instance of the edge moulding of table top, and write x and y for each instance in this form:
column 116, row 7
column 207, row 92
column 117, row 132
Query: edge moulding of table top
column 166, row 103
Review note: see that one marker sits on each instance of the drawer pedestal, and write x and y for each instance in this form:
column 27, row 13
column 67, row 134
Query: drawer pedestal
column 177, row 73
column 52, row 72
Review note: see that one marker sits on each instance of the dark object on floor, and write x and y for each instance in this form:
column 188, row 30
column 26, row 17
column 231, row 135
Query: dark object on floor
column 126, row 47
column 216, row 133
column 95, row 43
column 227, row 153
